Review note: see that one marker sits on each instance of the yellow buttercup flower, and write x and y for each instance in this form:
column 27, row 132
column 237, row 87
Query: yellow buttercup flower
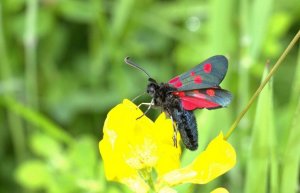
column 131, row 148
column 141, row 154
column 220, row 190
column 211, row 163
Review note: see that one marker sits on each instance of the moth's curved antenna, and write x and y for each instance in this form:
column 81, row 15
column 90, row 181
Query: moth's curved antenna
column 130, row 63
column 138, row 96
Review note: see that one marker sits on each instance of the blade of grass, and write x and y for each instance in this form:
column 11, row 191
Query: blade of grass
column 271, row 138
column 260, row 16
column 291, row 155
column 37, row 119
column 30, row 53
column 291, row 158
column 245, row 58
column 263, row 131
column 221, row 9
column 295, row 94
column 14, row 123
column 171, row 11
column 98, row 33
column 122, row 10
column 243, row 94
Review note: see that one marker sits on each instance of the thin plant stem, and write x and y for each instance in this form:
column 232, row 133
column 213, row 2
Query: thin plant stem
column 37, row 119
column 14, row 123
column 263, row 84
column 30, row 53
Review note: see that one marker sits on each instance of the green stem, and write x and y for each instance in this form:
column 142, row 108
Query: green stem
column 14, row 123
column 263, row 84
column 37, row 119
column 30, row 53
column 146, row 175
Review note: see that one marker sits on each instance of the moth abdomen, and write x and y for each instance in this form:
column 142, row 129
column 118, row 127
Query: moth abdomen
column 187, row 127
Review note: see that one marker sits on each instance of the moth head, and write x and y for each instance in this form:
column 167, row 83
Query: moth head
column 152, row 87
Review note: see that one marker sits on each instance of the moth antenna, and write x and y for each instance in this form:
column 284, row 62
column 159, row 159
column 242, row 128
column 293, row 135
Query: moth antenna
column 138, row 96
column 130, row 63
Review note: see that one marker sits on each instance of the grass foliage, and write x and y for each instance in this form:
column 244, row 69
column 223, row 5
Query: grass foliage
column 62, row 69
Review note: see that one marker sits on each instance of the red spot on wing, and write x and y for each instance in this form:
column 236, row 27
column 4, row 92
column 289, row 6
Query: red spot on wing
column 173, row 80
column 192, row 73
column 176, row 82
column 180, row 94
column 198, row 79
column 191, row 103
column 210, row 92
column 207, row 68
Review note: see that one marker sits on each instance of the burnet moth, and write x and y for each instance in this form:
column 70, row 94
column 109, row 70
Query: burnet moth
column 197, row 88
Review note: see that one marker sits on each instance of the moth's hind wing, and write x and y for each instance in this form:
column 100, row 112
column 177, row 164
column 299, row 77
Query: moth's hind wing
column 211, row 98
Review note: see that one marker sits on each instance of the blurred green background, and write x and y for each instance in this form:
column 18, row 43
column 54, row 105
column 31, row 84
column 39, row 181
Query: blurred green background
column 62, row 70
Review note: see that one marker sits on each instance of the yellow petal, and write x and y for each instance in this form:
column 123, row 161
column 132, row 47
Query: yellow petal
column 122, row 119
column 219, row 190
column 168, row 154
column 218, row 158
column 114, row 165
column 119, row 132
column 130, row 144
column 136, row 184
column 167, row 190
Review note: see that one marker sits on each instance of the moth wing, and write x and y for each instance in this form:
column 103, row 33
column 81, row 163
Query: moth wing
column 208, row 73
column 210, row 98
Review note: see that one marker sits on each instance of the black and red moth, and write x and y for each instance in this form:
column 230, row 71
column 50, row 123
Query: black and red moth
column 197, row 88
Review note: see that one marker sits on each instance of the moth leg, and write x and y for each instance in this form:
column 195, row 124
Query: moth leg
column 149, row 106
column 146, row 104
column 175, row 132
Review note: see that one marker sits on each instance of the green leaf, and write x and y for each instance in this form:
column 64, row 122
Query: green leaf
column 84, row 157
column 45, row 146
column 33, row 174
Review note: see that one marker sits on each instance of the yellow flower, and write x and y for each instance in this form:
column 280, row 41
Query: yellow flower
column 141, row 154
column 131, row 148
column 217, row 159
column 220, row 190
